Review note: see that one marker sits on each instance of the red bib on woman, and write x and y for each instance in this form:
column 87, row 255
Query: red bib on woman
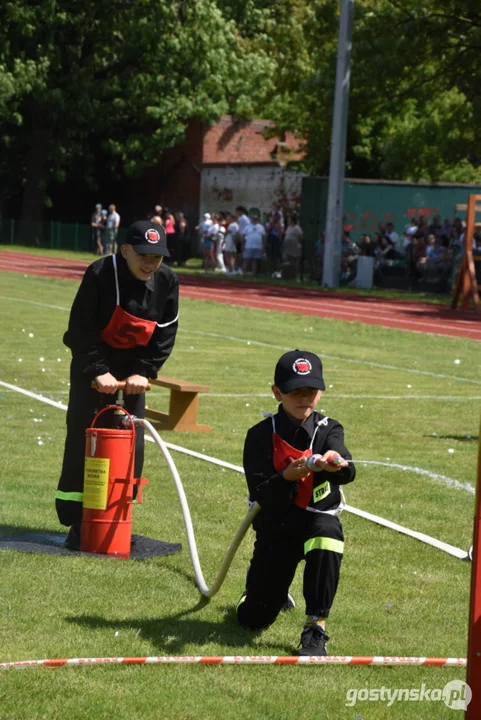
column 125, row 331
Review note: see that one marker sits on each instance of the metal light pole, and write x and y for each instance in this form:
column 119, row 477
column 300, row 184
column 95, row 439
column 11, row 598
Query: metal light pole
column 335, row 196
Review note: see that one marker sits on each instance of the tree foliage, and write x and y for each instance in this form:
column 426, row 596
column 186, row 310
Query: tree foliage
column 415, row 105
column 124, row 77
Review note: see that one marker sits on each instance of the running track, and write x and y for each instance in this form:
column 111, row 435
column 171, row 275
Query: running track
column 399, row 314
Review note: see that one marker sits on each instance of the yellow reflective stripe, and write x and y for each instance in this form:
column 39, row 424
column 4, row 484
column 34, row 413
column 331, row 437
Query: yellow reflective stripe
column 70, row 497
column 243, row 597
column 324, row 543
column 321, row 491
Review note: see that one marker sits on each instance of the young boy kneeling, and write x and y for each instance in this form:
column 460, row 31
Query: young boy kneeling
column 299, row 509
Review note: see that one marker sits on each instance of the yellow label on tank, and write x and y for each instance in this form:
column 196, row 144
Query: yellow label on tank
column 96, row 483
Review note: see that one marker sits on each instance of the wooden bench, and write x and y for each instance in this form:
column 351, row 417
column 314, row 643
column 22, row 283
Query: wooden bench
column 183, row 406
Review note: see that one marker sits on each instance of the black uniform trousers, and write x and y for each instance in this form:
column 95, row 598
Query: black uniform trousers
column 278, row 549
column 84, row 403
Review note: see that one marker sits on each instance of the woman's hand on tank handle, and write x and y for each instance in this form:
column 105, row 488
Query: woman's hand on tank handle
column 106, row 383
column 136, row 385
column 296, row 470
column 332, row 462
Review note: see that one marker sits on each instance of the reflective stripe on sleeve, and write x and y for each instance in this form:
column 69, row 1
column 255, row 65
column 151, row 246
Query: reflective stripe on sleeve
column 69, row 496
column 324, row 543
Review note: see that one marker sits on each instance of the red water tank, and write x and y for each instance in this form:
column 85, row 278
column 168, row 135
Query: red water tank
column 109, row 488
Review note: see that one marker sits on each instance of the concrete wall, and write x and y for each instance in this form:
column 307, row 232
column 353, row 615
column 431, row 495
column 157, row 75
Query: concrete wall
column 224, row 187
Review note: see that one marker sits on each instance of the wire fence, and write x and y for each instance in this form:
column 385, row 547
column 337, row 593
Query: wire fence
column 52, row 235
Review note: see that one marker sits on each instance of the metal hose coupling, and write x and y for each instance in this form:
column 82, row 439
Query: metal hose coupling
column 314, row 463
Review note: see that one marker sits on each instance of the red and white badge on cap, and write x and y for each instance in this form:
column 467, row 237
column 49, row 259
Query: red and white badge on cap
column 302, row 366
column 152, row 236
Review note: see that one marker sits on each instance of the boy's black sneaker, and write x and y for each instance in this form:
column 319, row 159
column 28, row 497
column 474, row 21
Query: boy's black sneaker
column 290, row 603
column 72, row 541
column 313, row 641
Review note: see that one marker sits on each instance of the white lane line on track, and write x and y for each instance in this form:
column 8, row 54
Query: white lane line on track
column 278, row 347
column 315, row 297
column 450, row 549
column 379, row 306
column 294, row 305
column 79, row 267
column 336, row 305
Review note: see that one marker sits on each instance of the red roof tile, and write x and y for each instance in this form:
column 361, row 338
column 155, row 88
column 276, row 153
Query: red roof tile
column 243, row 142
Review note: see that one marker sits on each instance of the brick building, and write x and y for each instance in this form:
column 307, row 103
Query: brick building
column 216, row 168
column 242, row 165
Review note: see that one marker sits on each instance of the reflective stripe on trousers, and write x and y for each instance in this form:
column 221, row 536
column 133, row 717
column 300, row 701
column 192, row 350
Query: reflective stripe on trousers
column 324, row 543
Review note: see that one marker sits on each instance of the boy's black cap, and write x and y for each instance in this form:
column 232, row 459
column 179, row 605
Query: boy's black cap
column 298, row 368
column 147, row 238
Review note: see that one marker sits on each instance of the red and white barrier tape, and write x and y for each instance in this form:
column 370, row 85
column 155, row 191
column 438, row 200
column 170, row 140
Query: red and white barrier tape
column 240, row 660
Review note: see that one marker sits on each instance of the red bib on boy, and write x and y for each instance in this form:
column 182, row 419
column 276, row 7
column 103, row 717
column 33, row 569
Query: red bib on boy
column 125, row 331
column 283, row 455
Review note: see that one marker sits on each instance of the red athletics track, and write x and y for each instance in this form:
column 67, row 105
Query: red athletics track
column 399, row 314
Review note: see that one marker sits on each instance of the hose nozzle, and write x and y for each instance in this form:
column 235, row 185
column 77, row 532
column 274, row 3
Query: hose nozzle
column 315, row 462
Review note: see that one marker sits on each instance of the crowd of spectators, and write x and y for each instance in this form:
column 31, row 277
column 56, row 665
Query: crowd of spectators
column 240, row 242
column 424, row 252
column 105, row 226
column 231, row 242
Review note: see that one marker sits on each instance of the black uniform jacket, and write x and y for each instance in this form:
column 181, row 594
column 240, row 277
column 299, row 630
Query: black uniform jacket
column 156, row 299
column 274, row 494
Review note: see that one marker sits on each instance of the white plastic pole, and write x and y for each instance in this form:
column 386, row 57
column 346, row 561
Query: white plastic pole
column 242, row 660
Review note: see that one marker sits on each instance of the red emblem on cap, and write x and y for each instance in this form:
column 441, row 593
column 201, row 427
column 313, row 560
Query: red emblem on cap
column 152, row 236
column 302, row 366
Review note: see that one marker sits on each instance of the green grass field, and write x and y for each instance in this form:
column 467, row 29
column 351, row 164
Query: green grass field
column 402, row 398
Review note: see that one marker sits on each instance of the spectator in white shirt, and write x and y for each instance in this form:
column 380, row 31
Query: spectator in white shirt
column 210, row 236
column 113, row 223
column 254, row 244
column 202, row 228
column 392, row 235
column 219, row 249
column 230, row 249
column 409, row 233
column 242, row 219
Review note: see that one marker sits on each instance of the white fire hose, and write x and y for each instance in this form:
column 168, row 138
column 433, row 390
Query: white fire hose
column 244, row 526
column 311, row 462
